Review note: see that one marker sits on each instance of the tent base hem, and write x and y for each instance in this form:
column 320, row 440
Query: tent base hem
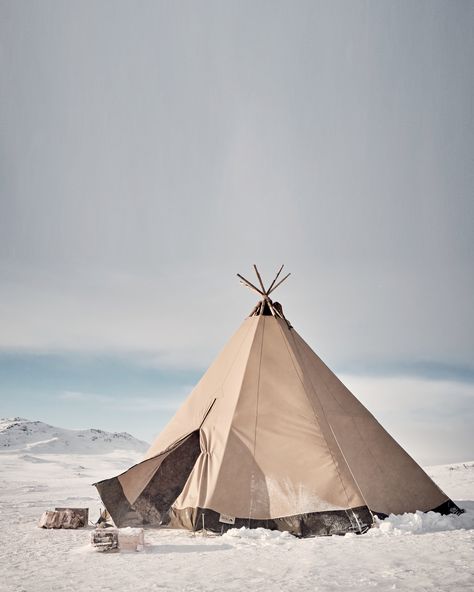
column 334, row 522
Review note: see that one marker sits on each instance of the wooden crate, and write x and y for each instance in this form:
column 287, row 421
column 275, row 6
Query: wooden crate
column 105, row 539
column 82, row 512
column 131, row 539
column 66, row 518
column 118, row 539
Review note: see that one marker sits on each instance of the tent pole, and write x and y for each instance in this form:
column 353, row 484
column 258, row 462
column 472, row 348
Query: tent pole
column 259, row 278
column 250, row 285
column 279, row 283
column 276, row 277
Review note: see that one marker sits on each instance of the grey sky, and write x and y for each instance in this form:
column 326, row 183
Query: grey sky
column 150, row 150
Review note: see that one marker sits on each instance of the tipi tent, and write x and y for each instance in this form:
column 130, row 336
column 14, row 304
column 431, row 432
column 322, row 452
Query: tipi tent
column 271, row 437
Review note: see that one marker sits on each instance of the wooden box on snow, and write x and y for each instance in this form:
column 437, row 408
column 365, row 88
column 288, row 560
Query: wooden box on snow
column 122, row 539
column 131, row 539
column 82, row 512
column 105, row 539
column 66, row 518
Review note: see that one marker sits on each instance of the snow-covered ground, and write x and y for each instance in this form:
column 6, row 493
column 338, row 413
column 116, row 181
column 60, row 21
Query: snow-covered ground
column 412, row 552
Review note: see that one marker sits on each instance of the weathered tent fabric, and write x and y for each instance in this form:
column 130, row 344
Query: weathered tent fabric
column 271, row 437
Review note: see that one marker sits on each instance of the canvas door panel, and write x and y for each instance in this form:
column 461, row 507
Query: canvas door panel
column 167, row 483
column 120, row 492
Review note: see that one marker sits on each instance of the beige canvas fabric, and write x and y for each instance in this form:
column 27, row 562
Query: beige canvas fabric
column 280, row 435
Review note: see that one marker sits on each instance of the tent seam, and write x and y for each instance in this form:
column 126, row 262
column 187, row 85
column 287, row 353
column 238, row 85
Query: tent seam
column 256, row 421
column 330, row 426
column 328, row 388
column 361, row 436
column 238, row 397
column 316, row 415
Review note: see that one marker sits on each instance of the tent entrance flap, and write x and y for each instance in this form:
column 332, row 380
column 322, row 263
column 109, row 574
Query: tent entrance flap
column 152, row 504
column 167, row 483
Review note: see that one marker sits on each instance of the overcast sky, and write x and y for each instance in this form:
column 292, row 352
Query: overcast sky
column 149, row 151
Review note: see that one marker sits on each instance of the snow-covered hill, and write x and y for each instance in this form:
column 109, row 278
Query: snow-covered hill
column 21, row 435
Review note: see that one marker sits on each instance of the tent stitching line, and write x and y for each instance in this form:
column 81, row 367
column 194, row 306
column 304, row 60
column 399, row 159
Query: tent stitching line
column 353, row 476
column 238, row 397
column 367, row 447
column 236, row 356
column 361, row 436
column 330, row 426
column 314, row 412
column 399, row 490
column 337, row 443
column 256, row 422
column 221, row 387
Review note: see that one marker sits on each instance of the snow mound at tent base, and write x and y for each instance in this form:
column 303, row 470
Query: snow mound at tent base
column 257, row 534
column 421, row 523
column 394, row 525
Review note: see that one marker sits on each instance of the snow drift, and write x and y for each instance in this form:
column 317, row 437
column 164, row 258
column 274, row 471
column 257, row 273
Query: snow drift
column 422, row 522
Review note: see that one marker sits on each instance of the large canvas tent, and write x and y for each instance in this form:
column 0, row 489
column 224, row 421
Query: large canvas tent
column 271, row 437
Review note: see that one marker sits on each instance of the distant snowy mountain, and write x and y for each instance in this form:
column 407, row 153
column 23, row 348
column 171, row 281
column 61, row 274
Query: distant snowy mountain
column 21, row 435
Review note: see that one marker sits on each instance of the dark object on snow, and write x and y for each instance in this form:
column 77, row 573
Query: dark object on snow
column 64, row 518
column 82, row 512
column 103, row 521
column 105, row 539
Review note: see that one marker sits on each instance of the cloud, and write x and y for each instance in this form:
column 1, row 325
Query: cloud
column 77, row 396
column 72, row 396
column 145, row 404
column 167, row 402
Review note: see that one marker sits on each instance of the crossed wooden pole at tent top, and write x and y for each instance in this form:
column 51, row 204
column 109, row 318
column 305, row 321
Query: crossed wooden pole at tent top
column 274, row 307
